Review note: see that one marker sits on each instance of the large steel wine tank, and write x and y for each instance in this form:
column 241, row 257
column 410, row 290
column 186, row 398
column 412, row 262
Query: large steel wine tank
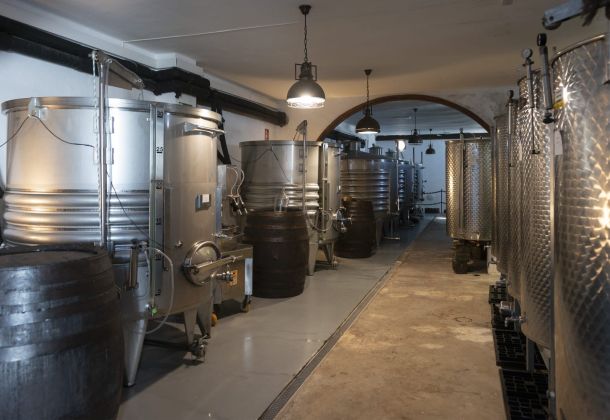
column 418, row 182
column 535, row 248
column 52, row 194
column 330, row 191
column 469, row 189
column 274, row 174
column 391, row 165
column 365, row 176
column 405, row 184
column 517, row 148
column 582, row 230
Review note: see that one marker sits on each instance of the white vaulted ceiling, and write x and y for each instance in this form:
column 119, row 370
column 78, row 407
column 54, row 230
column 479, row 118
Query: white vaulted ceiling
column 412, row 45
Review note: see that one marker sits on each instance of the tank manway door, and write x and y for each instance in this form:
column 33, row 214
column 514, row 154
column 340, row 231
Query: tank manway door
column 203, row 261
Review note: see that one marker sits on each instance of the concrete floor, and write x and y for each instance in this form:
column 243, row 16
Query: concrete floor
column 252, row 357
column 422, row 349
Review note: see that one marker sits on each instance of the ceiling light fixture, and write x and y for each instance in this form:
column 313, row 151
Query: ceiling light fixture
column 306, row 93
column 368, row 124
column 415, row 138
column 401, row 145
column 430, row 150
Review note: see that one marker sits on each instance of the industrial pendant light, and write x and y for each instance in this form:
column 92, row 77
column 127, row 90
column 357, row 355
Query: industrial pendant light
column 306, row 92
column 430, row 150
column 415, row 139
column 367, row 124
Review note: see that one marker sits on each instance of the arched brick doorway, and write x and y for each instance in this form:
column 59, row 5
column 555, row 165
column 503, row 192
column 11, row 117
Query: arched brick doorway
column 404, row 97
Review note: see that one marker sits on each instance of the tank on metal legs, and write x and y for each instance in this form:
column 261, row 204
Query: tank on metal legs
column 52, row 198
column 405, row 189
column 535, row 247
column 418, row 182
column 331, row 209
column 274, row 180
column 469, row 195
column 365, row 177
column 582, row 229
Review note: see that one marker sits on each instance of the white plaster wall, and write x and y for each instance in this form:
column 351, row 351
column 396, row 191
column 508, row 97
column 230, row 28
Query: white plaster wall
column 239, row 128
column 22, row 76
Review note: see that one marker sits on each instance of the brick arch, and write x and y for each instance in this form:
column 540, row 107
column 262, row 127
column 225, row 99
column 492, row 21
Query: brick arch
column 403, row 97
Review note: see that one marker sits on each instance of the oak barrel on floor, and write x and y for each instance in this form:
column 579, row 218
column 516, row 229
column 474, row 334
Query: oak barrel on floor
column 281, row 245
column 359, row 241
column 61, row 343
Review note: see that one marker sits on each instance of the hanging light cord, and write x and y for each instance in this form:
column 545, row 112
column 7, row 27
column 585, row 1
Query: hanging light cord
column 367, row 93
column 305, row 39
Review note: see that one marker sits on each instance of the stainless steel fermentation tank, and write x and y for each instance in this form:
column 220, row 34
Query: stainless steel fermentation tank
column 405, row 188
column 162, row 179
column 330, row 199
column 274, row 174
column 365, row 176
column 534, row 257
column 469, row 196
column 418, row 182
column 582, row 230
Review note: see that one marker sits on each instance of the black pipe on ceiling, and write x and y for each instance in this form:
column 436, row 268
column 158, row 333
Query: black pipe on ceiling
column 27, row 40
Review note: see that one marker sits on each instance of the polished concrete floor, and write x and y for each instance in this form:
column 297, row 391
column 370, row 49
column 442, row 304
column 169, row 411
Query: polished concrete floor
column 252, row 357
column 422, row 348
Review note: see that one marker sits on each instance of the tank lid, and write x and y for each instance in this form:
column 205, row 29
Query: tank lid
column 75, row 102
column 279, row 143
column 577, row 45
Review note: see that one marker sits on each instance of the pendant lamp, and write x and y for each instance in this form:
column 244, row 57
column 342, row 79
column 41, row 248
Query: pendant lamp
column 367, row 124
column 305, row 93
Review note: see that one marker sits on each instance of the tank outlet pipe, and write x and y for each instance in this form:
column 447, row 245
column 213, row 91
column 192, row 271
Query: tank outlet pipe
column 134, row 254
column 527, row 55
column 607, row 80
column 105, row 65
column 546, row 79
column 102, row 62
column 302, row 129
column 510, row 122
column 461, row 174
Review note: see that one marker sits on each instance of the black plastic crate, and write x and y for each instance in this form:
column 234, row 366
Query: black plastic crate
column 510, row 351
column 525, row 394
column 497, row 294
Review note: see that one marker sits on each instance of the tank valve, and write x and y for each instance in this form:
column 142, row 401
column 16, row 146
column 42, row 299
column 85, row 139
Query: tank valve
column 514, row 319
column 132, row 280
column 224, row 276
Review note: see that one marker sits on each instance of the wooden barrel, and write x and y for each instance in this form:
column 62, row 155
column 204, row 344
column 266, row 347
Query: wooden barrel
column 281, row 246
column 359, row 241
column 61, row 342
